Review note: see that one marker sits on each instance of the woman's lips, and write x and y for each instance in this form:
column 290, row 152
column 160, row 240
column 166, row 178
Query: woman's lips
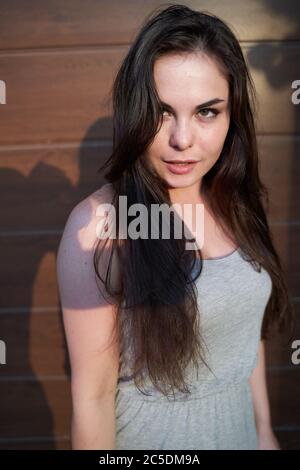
column 181, row 169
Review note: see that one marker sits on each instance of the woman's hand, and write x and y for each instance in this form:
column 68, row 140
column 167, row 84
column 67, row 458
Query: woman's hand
column 267, row 440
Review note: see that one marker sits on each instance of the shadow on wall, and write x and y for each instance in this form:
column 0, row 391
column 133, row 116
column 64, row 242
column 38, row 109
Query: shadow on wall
column 27, row 399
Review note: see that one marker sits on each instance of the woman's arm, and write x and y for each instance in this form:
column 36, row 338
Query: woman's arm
column 89, row 322
column 258, row 383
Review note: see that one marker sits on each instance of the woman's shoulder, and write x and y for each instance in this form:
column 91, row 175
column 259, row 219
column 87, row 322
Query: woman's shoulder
column 75, row 255
column 80, row 230
column 85, row 214
column 102, row 195
column 90, row 203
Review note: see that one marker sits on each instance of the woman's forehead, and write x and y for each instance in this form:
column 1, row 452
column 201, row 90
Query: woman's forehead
column 194, row 77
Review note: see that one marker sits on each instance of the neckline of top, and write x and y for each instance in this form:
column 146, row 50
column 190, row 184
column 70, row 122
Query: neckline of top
column 220, row 258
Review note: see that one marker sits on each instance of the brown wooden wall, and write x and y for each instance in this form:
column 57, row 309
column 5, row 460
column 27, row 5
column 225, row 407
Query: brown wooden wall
column 58, row 60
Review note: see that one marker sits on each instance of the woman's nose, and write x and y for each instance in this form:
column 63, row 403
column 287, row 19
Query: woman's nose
column 181, row 136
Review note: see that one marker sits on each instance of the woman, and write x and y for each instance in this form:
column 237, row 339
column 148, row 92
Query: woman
column 166, row 318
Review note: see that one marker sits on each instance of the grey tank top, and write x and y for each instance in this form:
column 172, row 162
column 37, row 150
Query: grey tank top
column 232, row 297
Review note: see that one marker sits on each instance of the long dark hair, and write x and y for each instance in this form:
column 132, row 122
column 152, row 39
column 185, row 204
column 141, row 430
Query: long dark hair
column 156, row 298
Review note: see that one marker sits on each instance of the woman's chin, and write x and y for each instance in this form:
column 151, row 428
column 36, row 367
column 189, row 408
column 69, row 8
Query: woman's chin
column 179, row 181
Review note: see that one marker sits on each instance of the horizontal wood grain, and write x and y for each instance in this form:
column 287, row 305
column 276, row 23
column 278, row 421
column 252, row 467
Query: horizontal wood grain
column 55, row 443
column 32, row 408
column 288, row 439
column 286, row 241
column 57, row 23
column 279, row 166
column 63, row 95
column 35, row 344
column 279, row 346
column 40, row 186
column 284, row 393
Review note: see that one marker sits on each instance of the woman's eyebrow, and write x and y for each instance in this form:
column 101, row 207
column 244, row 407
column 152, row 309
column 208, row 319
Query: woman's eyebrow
column 199, row 106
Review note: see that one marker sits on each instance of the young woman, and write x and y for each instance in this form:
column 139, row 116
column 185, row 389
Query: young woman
column 167, row 343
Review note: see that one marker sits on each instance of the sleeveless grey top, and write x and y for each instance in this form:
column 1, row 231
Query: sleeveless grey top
column 218, row 413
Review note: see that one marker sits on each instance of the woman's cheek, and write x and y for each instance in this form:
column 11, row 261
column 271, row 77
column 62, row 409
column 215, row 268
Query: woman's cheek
column 216, row 137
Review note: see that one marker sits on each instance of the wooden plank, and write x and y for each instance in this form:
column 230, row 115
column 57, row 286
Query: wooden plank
column 280, row 172
column 36, row 444
column 35, row 344
column 52, row 24
column 40, row 186
column 279, row 346
column 284, row 393
column 31, row 409
column 289, row 440
column 64, row 96
column 274, row 68
column 286, row 241
column 28, row 281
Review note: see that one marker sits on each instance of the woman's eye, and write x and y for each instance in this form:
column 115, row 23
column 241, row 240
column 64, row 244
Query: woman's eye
column 209, row 112
column 205, row 112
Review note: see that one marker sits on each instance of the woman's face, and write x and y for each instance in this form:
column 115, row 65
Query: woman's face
column 188, row 131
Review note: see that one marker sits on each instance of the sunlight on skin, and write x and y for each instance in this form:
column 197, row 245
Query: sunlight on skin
column 187, row 132
column 196, row 119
